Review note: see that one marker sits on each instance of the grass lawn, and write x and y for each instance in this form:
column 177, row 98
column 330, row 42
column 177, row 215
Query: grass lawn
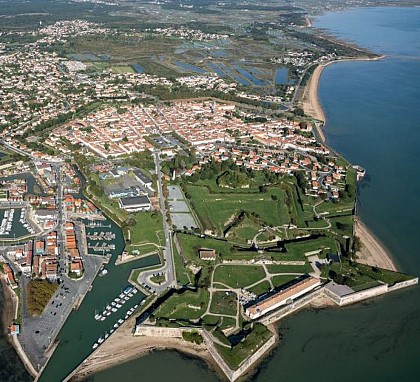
column 224, row 303
column 146, row 228
column 276, row 268
column 362, row 276
column 281, row 280
column 182, row 274
column 244, row 231
column 143, row 249
column 188, row 305
column 238, row 276
column 227, row 322
column 300, row 248
column 214, row 210
column 191, row 244
column 158, row 279
column 254, row 340
column 260, row 288
column 211, row 320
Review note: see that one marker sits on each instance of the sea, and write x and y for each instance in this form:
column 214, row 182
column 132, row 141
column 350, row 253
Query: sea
column 373, row 114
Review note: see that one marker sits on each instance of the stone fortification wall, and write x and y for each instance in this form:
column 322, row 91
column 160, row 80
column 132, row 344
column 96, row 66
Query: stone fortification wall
column 216, row 356
column 363, row 294
column 233, row 375
column 368, row 293
column 250, row 361
column 404, row 284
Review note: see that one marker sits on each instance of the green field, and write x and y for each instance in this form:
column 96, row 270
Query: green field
column 224, row 303
column 147, row 228
column 238, row 276
column 325, row 244
column 244, row 231
column 360, row 276
column 281, row 280
column 260, row 288
column 254, row 340
column 215, row 209
column 188, row 305
column 182, row 274
column 190, row 244
column 276, row 268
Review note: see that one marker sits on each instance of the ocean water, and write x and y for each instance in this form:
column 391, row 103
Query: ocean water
column 373, row 114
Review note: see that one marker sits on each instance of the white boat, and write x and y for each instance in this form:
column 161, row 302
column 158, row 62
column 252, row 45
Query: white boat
column 113, row 303
column 135, row 290
column 97, row 317
column 136, row 306
column 103, row 318
column 108, row 313
column 100, row 340
column 120, row 321
column 118, row 306
column 103, row 272
column 95, row 345
column 116, row 325
column 114, row 310
column 106, row 335
column 111, row 331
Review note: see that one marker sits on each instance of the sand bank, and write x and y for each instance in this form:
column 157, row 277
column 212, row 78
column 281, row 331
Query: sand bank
column 122, row 346
column 372, row 251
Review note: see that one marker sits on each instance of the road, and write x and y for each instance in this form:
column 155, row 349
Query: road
column 168, row 267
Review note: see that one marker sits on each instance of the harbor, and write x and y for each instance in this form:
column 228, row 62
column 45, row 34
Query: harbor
column 14, row 223
column 83, row 329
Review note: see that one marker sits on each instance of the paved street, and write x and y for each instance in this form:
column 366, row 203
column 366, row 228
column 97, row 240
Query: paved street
column 168, row 267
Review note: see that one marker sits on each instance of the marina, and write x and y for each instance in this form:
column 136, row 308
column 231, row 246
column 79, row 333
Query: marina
column 95, row 236
column 14, row 223
column 120, row 321
column 117, row 303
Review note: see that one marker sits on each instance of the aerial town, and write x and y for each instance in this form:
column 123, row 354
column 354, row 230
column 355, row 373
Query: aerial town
column 181, row 196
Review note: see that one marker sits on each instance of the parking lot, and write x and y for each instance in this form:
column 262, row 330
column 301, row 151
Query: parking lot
column 39, row 332
column 180, row 211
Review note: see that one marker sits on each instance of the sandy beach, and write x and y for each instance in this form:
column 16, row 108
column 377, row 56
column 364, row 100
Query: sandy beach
column 310, row 100
column 115, row 350
column 373, row 252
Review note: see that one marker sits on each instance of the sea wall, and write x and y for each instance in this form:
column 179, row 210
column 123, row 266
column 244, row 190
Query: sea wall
column 404, row 284
column 368, row 293
column 363, row 295
column 233, row 375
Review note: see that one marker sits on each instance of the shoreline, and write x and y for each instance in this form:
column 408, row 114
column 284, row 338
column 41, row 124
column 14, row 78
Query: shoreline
column 372, row 252
column 114, row 351
column 310, row 99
